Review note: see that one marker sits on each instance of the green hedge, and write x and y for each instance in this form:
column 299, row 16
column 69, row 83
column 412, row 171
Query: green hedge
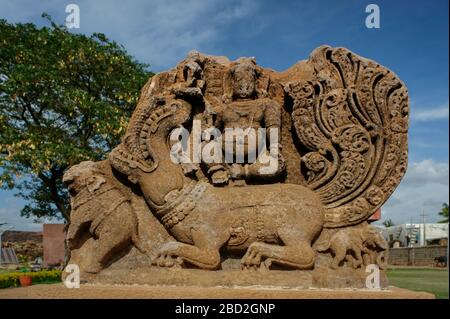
column 46, row 276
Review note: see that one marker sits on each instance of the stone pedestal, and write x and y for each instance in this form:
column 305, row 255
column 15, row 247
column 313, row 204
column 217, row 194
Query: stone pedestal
column 166, row 292
column 321, row 277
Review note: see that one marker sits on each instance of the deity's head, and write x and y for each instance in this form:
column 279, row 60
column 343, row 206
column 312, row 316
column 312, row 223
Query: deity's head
column 244, row 78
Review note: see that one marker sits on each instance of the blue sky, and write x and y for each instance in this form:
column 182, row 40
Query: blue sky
column 412, row 41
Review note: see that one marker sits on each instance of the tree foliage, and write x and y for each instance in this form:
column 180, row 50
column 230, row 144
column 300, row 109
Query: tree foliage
column 444, row 213
column 64, row 98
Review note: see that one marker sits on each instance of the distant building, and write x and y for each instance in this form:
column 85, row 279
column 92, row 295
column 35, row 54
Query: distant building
column 409, row 235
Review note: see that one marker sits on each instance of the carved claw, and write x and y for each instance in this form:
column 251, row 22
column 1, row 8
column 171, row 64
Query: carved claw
column 168, row 257
column 189, row 168
column 267, row 263
column 356, row 264
column 335, row 264
column 220, row 177
column 167, row 261
column 93, row 268
column 253, row 260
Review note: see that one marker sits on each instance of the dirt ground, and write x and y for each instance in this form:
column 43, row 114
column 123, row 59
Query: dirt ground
column 59, row 291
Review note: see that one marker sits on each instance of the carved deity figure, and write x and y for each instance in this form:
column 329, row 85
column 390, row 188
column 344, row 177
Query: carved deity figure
column 246, row 109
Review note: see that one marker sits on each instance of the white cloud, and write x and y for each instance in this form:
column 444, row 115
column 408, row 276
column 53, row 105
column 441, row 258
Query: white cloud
column 427, row 171
column 162, row 32
column 423, row 190
column 159, row 32
column 430, row 114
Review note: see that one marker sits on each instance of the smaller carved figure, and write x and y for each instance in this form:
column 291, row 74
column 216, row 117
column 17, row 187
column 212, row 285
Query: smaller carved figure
column 375, row 248
column 357, row 246
column 101, row 208
column 191, row 74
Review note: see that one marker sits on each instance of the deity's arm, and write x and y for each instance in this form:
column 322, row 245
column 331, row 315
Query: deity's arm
column 272, row 120
column 272, row 113
column 212, row 123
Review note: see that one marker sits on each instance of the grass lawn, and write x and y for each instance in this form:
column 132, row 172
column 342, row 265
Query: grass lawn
column 4, row 271
column 431, row 280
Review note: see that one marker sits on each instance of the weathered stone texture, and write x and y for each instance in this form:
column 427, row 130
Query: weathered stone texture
column 341, row 150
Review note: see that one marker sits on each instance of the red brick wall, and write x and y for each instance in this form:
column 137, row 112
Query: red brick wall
column 53, row 240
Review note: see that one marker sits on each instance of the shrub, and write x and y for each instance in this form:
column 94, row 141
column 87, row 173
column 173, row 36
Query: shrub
column 46, row 276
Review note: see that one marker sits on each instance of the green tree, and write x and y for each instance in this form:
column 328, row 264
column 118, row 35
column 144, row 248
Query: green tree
column 64, row 98
column 388, row 223
column 444, row 213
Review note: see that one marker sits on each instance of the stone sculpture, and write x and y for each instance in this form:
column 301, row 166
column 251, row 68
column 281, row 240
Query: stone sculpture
column 298, row 199
column 357, row 245
column 101, row 210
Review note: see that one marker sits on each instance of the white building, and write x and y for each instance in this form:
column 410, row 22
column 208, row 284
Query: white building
column 401, row 235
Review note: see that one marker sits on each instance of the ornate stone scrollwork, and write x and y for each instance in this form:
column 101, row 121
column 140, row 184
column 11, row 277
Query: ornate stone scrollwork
column 362, row 108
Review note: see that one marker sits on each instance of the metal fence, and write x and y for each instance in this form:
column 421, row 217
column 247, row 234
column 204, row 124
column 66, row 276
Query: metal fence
column 417, row 256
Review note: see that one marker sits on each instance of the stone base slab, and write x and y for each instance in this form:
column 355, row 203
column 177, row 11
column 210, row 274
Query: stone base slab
column 87, row 291
column 320, row 277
